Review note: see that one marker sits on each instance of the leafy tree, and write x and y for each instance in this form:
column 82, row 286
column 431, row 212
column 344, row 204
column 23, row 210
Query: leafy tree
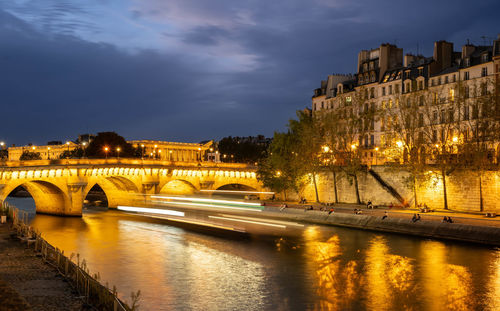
column 276, row 171
column 28, row 155
column 76, row 153
column 242, row 149
column 111, row 140
column 4, row 154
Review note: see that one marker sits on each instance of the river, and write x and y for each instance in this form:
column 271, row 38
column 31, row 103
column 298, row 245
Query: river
column 312, row 268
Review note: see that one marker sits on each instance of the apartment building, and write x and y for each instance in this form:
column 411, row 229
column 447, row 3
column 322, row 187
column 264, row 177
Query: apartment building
column 402, row 104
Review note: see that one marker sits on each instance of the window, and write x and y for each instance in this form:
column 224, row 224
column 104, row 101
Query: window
column 366, row 141
column 433, row 82
column 484, row 58
column 451, row 115
column 466, row 92
column 466, row 75
column 360, row 78
column 420, row 71
column 434, row 136
column 454, row 78
column 484, row 89
column 421, row 100
column 372, row 140
column 372, row 92
column 467, row 62
column 443, row 116
column 348, row 99
column 390, row 89
column 365, row 67
column 466, row 113
column 383, row 91
column 396, row 87
column 420, row 119
column 322, row 105
column 420, row 85
column 390, row 103
column 484, row 71
column 446, row 79
column 435, row 117
column 475, row 112
column 439, row 81
column 383, row 104
column 452, row 95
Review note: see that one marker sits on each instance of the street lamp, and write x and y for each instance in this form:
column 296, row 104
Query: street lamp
column 159, row 154
column 376, row 155
column 106, row 151
column 118, row 149
column 170, row 155
column 48, row 153
column 84, row 147
column 67, row 144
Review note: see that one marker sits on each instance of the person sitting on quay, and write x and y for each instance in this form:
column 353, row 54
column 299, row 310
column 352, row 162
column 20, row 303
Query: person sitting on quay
column 283, row 206
column 385, row 215
column 330, row 211
column 415, row 218
column 449, row 220
column 369, row 205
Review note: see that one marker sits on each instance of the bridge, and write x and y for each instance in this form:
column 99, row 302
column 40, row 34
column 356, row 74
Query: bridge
column 59, row 187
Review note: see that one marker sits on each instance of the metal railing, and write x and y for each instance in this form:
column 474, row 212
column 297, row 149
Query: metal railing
column 88, row 287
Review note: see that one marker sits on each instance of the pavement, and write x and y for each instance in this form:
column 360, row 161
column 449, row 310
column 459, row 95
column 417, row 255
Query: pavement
column 28, row 283
column 469, row 218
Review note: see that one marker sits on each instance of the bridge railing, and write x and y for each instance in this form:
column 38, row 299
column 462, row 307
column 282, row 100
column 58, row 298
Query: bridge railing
column 87, row 286
column 121, row 161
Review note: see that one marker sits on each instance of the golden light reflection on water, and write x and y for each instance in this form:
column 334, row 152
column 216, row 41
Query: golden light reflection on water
column 493, row 297
column 446, row 286
column 389, row 278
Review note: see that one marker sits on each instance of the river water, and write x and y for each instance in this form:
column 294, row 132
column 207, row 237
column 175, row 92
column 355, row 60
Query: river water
column 313, row 268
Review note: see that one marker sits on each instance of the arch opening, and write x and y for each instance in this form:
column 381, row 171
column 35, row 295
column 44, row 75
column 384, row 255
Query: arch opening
column 96, row 196
column 47, row 197
column 179, row 187
column 235, row 190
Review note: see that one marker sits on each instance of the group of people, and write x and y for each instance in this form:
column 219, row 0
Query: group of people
column 415, row 218
column 447, row 219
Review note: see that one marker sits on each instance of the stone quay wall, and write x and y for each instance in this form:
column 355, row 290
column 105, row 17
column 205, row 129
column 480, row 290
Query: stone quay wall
column 463, row 190
column 431, row 229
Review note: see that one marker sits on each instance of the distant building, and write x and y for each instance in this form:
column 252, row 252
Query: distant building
column 458, row 85
column 172, row 151
column 51, row 151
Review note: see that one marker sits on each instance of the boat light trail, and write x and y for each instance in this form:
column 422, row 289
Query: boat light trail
column 215, row 206
column 248, row 221
column 238, row 191
column 150, row 210
column 204, row 200
column 265, row 220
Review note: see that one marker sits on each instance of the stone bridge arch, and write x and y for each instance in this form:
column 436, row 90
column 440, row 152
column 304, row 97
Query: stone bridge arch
column 49, row 197
column 178, row 186
column 118, row 190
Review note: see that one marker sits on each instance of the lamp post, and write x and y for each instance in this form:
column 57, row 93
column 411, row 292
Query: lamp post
column 48, row 153
column 376, row 155
column 170, row 155
column 142, row 154
column 67, row 144
column 84, row 148
column 118, row 149
column 106, row 151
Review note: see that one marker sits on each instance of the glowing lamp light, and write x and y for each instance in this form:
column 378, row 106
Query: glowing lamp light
column 326, row 148
column 353, row 146
column 67, row 143
column 106, row 148
column 437, row 146
column 376, row 148
column 399, row 143
column 33, row 147
column 455, row 139
column 278, row 173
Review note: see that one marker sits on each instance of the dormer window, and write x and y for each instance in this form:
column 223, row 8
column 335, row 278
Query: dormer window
column 484, row 58
column 371, row 66
column 467, row 62
column 360, row 79
column 365, row 67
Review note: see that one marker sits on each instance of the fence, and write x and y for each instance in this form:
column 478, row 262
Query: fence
column 88, row 287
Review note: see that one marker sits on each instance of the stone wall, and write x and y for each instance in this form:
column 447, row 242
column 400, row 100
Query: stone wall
column 462, row 189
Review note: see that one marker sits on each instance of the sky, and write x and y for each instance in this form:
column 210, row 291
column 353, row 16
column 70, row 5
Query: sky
column 194, row 70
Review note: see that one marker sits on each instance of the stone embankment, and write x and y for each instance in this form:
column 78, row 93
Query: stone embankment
column 27, row 283
column 432, row 227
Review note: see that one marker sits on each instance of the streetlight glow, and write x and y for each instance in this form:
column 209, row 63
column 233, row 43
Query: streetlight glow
column 455, row 139
column 399, row 143
column 326, row 148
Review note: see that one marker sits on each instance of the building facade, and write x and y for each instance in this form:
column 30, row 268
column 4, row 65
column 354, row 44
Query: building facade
column 397, row 105
column 173, row 151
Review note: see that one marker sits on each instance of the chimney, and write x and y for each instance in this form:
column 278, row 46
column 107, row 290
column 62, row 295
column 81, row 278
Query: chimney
column 408, row 59
column 390, row 57
column 467, row 50
column 443, row 56
column 362, row 56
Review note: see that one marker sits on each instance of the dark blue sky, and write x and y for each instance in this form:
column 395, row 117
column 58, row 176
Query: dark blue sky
column 190, row 70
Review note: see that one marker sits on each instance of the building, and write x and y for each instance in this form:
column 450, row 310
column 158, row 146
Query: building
column 53, row 150
column 400, row 104
column 172, row 151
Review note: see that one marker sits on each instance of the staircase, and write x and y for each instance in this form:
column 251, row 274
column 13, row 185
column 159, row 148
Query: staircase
column 386, row 186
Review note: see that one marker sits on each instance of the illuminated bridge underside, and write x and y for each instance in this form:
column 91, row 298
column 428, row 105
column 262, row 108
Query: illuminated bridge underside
column 59, row 187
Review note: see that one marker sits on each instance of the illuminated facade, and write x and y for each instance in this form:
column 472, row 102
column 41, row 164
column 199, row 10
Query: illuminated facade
column 449, row 94
column 172, row 151
column 47, row 152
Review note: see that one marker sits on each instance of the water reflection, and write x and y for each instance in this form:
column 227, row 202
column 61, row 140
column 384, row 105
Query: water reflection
column 326, row 268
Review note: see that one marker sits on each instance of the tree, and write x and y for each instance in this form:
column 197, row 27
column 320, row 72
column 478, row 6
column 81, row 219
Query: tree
column 112, row 141
column 28, row 155
column 276, row 170
column 76, row 153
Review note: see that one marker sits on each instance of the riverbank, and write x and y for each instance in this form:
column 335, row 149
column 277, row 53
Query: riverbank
column 28, row 283
column 465, row 227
